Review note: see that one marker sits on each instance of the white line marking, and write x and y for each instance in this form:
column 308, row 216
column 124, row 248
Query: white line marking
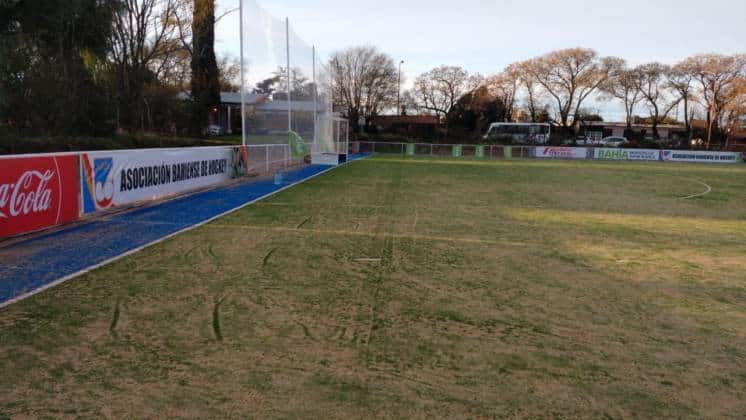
column 156, row 242
column 708, row 189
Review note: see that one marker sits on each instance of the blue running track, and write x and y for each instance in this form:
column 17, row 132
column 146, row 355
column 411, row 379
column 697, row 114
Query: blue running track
column 32, row 265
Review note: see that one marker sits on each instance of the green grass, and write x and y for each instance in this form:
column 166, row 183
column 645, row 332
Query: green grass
column 399, row 287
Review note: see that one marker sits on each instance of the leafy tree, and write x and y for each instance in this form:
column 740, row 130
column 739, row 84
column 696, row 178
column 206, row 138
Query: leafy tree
column 267, row 86
column 301, row 86
column 45, row 85
column 476, row 110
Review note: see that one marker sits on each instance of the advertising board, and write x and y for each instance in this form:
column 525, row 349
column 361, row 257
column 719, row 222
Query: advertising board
column 37, row 192
column 112, row 179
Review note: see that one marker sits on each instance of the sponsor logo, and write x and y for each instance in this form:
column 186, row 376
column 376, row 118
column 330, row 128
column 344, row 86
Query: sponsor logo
column 99, row 180
column 558, row 152
column 37, row 192
column 697, row 156
column 618, row 154
column 31, row 193
column 627, row 154
column 104, row 182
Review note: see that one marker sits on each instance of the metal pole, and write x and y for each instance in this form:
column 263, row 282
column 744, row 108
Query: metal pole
column 243, row 84
column 315, row 98
column 287, row 49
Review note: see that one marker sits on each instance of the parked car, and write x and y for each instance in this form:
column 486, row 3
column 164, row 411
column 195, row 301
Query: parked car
column 577, row 141
column 215, row 130
column 614, row 142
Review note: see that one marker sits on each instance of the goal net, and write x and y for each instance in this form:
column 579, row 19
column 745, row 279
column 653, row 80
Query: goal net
column 285, row 91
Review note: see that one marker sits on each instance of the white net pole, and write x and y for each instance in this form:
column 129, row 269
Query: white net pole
column 290, row 81
column 315, row 96
column 243, row 78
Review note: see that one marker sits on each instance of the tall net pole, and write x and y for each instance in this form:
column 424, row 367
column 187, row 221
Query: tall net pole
column 315, row 96
column 243, row 84
column 287, row 46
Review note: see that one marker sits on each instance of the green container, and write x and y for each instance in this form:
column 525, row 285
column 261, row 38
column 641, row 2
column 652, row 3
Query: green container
column 479, row 152
column 508, row 152
column 410, row 149
column 456, row 151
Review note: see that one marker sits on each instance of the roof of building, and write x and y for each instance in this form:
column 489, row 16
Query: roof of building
column 235, row 98
column 307, row 106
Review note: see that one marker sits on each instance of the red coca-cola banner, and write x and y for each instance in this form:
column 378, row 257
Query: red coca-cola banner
column 37, row 192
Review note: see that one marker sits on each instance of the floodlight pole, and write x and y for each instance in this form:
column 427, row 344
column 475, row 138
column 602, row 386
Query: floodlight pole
column 287, row 49
column 243, row 85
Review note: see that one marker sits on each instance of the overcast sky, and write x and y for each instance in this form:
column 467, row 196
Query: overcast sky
column 484, row 36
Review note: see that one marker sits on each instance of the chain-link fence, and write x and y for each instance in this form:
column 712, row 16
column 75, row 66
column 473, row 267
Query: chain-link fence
column 268, row 159
column 442, row 150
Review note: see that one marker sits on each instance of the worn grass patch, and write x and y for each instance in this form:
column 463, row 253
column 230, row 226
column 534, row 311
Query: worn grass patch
column 413, row 288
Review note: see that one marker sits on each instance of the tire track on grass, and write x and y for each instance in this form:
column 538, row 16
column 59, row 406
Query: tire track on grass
column 381, row 274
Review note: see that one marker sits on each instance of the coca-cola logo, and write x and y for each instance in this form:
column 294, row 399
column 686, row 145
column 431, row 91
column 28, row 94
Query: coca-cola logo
column 557, row 151
column 37, row 192
column 29, row 194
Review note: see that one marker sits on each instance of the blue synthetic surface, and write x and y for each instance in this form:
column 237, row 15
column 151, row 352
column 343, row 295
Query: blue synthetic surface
column 32, row 264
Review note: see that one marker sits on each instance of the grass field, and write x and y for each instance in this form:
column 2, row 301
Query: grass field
column 399, row 287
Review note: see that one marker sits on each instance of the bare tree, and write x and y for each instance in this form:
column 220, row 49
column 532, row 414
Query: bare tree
column 230, row 72
column 681, row 81
column 733, row 118
column 364, row 82
column 719, row 78
column 570, row 76
column 652, row 82
column 529, row 86
column 439, row 89
column 181, row 45
column 623, row 85
column 504, row 87
column 141, row 29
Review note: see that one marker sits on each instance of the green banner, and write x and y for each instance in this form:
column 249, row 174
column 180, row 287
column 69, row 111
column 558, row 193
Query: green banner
column 507, row 152
column 298, row 147
column 479, row 152
column 410, row 149
column 456, row 151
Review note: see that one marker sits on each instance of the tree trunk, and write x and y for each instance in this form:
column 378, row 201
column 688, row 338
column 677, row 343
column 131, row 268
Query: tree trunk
column 205, row 73
column 709, row 128
column 656, row 120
